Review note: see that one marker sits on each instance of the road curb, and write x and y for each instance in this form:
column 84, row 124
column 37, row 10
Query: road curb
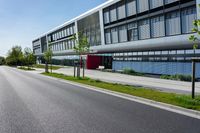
column 164, row 106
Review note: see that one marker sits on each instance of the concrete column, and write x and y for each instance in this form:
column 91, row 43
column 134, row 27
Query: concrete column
column 102, row 27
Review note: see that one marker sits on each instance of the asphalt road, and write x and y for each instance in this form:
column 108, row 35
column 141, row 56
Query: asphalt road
column 30, row 103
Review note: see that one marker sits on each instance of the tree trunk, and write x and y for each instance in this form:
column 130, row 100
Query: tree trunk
column 46, row 68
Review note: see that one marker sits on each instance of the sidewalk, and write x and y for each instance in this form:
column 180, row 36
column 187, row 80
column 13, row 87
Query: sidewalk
column 154, row 83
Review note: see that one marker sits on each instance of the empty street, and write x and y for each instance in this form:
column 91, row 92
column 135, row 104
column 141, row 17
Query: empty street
column 31, row 103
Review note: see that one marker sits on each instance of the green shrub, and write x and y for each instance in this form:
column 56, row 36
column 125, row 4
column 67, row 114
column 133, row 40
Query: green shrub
column 132, row 72
column 178, row 77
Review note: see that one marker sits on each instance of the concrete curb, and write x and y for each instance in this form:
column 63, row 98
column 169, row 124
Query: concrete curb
column 164, row 106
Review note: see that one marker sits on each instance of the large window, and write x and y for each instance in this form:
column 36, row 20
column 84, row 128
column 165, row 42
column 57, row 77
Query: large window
column 121, row 10
column 143, row 5
column 132, row 31
column 106, row 17
column 131, row 7
column 144, row 29
column 113, row 14
column 114, row 34
column 123, row 33
column 173, row 23
column 157, row 26
column 188, row 16
column 108, row 36
column 155, row 3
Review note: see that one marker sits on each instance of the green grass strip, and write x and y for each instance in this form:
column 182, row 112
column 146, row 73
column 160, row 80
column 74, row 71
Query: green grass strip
column 43, row 67
column 170, row 98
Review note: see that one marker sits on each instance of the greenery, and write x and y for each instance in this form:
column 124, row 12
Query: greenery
column 194, row 38
column 2, row 60
column 48, row 59
column 16, row 57
column 178, row 77
column 43, row 66
column 169, row 98
column 132, row 72
column 29, row 58
column 82, row 47
column 26, row 68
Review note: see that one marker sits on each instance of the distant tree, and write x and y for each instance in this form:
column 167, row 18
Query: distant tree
column 15, row 56
column 29, row 58
column 82, row 47
column 2, row 60
column 48, row 59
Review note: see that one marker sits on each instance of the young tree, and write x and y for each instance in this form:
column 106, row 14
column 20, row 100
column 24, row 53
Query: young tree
column 29, row 58
column 195, row 38
column 82, row 47
column 48, row 58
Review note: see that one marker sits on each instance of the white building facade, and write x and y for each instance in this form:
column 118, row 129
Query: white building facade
column 149, row 36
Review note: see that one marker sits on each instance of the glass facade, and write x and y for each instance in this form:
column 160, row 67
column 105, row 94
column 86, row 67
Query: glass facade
column 155, row 3
column 144, row 29
column 121, row 10
column 142, row 5
column 132, row 31
column 113, row 14
column 157, row 26
column 90, row 27
column 170, row 56
column 114, row 35
column 188, row 15
column 131, row 7
column 172, row 23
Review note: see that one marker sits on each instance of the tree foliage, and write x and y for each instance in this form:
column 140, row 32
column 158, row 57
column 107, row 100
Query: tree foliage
column 196, row 29
column 2, row 60
column 15, row 56
column 82, row 45
column 29, row 58
column 48, row 57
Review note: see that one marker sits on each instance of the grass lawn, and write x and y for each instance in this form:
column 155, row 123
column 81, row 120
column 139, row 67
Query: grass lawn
column 26, row 68
column 43, row 66
column 170, row 98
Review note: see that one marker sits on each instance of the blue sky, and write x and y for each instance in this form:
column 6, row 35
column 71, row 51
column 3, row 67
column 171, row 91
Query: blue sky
column 23, row 20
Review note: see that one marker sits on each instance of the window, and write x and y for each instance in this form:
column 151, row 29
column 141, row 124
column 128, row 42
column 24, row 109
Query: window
column 131, row 7
column 68, row 32
column 71, row 30
column 157, row 26
column 107, row 36
column 132, row 31
column 173, row 23
column 106, row 17
column 113, row 14
column 170, row 1
column 144, row 29
column 121, row 10
column 122, row 33
column 65, row 32
column 114, row 34
column 155, row 3
column 143, row 5
column 188, row 16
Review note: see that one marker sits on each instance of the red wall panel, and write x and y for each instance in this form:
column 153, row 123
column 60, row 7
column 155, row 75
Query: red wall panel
column 93, row 61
